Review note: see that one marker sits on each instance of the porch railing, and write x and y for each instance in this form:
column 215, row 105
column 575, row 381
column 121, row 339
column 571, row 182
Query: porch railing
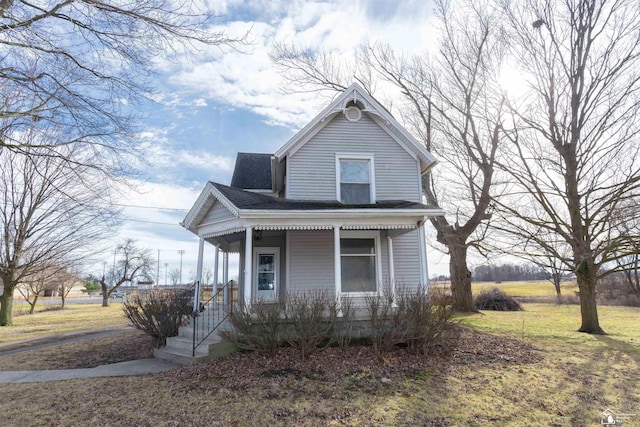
column 209, row 315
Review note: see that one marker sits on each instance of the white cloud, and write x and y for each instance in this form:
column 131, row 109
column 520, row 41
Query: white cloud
column 252, row 82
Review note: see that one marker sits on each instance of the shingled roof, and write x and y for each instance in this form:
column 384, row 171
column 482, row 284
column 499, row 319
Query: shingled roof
column 252, row 171
column 250, row 200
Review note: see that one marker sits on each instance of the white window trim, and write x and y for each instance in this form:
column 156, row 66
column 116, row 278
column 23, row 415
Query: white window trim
column 365, row 234
column 372, row 173
column 254, row 284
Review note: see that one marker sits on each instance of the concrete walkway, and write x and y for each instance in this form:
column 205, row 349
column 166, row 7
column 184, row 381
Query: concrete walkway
column 132, row 367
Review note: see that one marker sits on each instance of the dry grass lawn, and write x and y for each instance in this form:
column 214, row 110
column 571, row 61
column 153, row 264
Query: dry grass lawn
column 74, row 317
column 517, row 369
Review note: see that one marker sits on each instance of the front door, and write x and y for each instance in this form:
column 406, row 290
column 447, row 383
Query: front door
column 266, row 277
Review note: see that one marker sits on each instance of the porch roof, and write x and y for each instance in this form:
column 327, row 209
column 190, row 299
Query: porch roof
column 260, row 211
column 255, row 201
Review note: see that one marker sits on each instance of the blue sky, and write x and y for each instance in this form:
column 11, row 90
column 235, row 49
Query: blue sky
column 215, row 103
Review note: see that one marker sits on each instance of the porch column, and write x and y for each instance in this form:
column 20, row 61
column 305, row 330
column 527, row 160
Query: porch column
column 392, row 271
column 225, row 277
column 215, row 276
column 422, row 252
column 423, row 237
column 248, row 255
column 196, row 294
column 337, row 268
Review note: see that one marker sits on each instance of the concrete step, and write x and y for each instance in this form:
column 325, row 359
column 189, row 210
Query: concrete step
column 204, row 353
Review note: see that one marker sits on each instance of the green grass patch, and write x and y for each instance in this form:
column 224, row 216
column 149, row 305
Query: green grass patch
column 74, row 317
column 526, row 289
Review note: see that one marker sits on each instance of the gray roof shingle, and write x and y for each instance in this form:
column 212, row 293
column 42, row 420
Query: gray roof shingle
column 248, row 200
column 252, row 171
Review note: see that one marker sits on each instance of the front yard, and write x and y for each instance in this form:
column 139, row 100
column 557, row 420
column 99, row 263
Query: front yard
column 521, row 368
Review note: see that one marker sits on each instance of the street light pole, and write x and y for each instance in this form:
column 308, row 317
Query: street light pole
column 181, row 252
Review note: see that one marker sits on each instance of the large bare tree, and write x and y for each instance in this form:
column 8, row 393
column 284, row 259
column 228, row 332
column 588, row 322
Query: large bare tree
column 83, row 66
column 49, row 215
column 452, row 100
column 132, row 263
column 574, row 149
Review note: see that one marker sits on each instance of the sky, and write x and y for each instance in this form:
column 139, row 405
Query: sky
column 217, row 102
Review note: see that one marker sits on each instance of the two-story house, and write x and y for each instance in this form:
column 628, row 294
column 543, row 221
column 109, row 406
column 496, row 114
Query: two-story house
column 337, row 208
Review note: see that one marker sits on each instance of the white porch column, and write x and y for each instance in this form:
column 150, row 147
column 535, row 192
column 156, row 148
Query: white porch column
column 423, row 237
column 196, row 296
column 215, row 274
column 225, row 277
column 337, row 266
column 422, row 251
column 392, row 270
column 248, row 255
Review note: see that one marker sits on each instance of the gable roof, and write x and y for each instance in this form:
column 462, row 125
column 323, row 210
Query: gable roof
column 355, row 93
column 252, row 171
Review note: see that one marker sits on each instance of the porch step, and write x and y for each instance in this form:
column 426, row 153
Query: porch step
column 179, row 349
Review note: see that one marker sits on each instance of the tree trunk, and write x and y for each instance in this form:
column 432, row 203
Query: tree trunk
column 6, row 307
column 33, row 305
column 460, row 278
column 105, row 295
column 557, row 281
column 63, row 297
column 588, row 308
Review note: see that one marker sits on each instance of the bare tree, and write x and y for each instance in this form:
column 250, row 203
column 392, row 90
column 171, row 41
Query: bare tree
column 49, row 214
column 452, row 101
column 574, row 149
column 65, row 280
column 83, row 66
column 174, row 276
column 132, row 263
column 34, row 285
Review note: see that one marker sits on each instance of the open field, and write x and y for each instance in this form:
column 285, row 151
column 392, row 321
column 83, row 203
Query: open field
column 74, row 317
column 518, row 289
column 500, row 373
column 526, row 289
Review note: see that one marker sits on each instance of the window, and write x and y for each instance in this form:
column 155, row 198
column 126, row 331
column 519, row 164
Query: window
column 358, row 263
column 355, row 179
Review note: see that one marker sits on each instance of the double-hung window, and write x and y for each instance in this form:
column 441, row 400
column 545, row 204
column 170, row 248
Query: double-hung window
column 359, row 262
column 355, row 179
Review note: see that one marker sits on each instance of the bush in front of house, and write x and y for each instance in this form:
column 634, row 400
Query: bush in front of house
column 159, row 313
column 411, row 319
column 496, row 300
column 258, row 328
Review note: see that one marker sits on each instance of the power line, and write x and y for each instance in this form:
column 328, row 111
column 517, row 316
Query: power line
column 150, row 207
column 151, row 222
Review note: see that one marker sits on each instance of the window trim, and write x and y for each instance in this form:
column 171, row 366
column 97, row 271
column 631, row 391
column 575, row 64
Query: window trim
column 364, row 234
column 372, row 175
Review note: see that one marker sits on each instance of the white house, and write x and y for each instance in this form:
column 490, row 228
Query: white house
column 337, row 208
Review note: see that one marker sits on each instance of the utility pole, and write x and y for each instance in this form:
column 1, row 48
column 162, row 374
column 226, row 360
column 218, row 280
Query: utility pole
column 158, row 271
column 181, row 252
column 166, row 266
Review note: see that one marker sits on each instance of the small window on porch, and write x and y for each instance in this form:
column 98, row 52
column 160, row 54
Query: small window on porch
column 358, row 265
column 355, row 179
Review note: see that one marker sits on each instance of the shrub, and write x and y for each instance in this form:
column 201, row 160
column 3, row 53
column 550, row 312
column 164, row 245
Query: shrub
column 310, row 317
column 496, row 300
column 411, row 319
column 159, row 313
column 256, row 328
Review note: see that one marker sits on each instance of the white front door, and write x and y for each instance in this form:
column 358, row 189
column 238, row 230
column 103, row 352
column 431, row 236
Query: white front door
column 266, row 268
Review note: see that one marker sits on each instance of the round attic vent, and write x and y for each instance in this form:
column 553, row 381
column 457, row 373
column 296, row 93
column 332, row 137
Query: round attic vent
column 353, row 113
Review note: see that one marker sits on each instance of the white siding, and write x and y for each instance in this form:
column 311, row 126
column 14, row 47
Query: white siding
column 217, row 213
column 312, row 171
column 311, row 256
column 407, row 260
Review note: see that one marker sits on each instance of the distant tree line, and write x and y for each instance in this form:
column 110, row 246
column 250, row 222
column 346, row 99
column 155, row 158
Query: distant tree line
column 510, row 272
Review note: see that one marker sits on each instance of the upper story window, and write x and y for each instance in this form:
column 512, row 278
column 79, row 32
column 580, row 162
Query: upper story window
column 355, row 179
